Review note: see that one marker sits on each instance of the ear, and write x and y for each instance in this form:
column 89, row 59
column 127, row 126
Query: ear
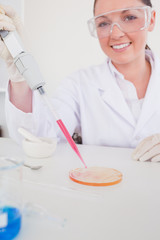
column 152, row 21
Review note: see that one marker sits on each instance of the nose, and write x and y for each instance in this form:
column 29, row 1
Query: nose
column 116, row 31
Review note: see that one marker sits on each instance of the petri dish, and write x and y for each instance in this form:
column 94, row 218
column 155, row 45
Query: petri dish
column 96, row 176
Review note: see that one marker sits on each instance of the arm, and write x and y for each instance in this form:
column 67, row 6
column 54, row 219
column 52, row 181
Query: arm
column 21, row 96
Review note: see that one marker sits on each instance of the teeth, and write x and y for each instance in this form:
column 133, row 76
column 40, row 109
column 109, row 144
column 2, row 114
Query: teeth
column 121, row 46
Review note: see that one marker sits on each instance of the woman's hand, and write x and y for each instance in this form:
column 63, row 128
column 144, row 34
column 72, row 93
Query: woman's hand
column 11, row 22
column 148, row 149
column 20, row 93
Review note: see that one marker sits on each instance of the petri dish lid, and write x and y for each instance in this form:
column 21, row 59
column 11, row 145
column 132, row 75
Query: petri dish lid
column 96, row 176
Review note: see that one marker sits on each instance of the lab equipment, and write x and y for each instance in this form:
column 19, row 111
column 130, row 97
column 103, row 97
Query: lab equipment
column 29, row 136
column 96, row 176
column 10, row 198
column 43, row 149
column 33, row 167
column 29, row 69
column 37, row 147
column 127, row 20
column 36, row 210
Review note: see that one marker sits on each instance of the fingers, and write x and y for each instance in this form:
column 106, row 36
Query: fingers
column 7, row 26
column 9, row 15
column 12, row 18
column 142, row 147
column 5, row 18
column 156, row 158
column 146, row 145
column 8, row 10
column 2, row 10
column 151, row 153
column 6, row 22
column 4, row 53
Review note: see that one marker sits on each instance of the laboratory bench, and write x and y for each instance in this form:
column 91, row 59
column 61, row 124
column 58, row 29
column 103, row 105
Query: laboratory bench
column 128, row 210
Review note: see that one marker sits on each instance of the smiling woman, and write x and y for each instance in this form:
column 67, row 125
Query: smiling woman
column 146, row 2
column 126, row 23
column 112, row 104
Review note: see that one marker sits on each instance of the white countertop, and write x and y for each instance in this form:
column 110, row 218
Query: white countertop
column 126, row 211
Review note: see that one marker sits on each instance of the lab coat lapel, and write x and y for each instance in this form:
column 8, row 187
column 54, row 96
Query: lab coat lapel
column 112, row 95
column 152, row 96
column 117, row 102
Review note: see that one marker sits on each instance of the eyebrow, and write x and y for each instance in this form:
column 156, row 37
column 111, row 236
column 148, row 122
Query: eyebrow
column 103, row 16
column 126, row 10
column 106, row 17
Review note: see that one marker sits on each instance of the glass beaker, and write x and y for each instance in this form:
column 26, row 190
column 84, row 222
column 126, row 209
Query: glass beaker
column 10, row 197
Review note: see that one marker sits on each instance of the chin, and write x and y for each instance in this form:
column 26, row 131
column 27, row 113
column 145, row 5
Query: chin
column 122, row 60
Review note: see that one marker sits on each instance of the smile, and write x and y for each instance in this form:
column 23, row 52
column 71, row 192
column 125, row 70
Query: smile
column 121, row 46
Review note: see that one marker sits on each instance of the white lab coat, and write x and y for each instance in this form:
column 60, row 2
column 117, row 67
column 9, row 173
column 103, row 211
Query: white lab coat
column 91, row 102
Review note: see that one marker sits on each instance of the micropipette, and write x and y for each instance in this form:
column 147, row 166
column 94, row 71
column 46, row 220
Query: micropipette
column 29, row 69
column 61, row 125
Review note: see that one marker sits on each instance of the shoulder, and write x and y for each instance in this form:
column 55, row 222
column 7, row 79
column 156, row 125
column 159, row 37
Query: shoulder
column 94, row 71
column 90, row 75
column 155, row 69
column 154, row 58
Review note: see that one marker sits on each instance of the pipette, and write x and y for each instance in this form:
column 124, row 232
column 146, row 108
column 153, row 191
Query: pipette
column 29, row 69
column 61, row 124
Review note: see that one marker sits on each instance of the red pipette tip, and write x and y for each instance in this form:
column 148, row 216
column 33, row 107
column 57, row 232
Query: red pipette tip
column 70, row 140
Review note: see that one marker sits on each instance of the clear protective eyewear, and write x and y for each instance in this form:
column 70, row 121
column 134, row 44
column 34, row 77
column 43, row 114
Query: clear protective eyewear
column 127, row 20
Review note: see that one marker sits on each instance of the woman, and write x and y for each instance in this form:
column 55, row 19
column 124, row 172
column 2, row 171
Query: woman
column 114, row 104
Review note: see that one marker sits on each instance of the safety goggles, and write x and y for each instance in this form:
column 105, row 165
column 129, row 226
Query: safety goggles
column 127, row 20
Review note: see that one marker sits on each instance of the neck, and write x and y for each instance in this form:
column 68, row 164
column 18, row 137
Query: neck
column 138, row 72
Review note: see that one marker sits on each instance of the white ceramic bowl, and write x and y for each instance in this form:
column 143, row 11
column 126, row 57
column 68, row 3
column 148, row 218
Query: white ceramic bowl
column 42, row 149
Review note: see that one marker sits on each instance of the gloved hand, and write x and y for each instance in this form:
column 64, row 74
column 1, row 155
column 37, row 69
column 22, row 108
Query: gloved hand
column 148, row 149
column 11, row 22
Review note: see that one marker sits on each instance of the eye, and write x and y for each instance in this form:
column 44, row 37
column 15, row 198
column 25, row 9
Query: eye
column 130, row 18
column 103, row 24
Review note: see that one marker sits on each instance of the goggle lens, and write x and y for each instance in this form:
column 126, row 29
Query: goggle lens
column 128, row 20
